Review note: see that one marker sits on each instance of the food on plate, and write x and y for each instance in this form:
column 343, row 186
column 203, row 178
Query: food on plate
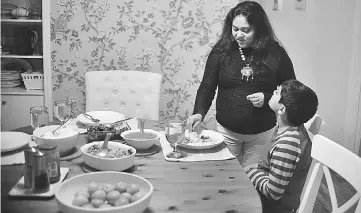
column 99, row 132
column 194, row 137
column 96, row 195
column 111, row 153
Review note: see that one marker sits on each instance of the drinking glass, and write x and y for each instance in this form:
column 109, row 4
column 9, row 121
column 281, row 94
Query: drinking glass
column 174, row 132
column 39, row 116
column 62, row 110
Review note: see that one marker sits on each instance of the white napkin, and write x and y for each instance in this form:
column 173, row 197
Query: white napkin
column 220, row 152
column 16, row 158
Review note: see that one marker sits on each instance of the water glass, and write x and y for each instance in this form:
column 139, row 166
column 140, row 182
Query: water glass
column 174, row 133
column 62, row 110
column 39, row 116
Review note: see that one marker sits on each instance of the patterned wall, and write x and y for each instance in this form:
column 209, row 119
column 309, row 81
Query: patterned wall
column 170, row 37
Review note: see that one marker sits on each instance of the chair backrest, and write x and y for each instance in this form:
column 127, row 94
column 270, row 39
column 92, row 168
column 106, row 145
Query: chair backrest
column 330, row 155
column 132, row 93
column 314, row 125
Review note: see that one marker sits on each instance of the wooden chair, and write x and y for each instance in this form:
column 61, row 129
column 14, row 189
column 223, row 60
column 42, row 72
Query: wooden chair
column 330, row 155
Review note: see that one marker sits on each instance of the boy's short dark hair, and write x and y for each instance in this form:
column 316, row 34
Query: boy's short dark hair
column 301, row 102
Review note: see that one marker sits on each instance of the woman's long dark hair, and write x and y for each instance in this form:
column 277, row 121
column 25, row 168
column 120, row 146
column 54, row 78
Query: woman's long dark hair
column 265, row 40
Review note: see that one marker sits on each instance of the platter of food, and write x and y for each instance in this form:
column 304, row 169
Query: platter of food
column 206, row 139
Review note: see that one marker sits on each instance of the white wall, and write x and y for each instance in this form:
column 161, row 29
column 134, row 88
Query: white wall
column 319, row 41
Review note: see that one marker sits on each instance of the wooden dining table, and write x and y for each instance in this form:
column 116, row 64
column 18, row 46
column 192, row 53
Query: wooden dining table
column 189, row 187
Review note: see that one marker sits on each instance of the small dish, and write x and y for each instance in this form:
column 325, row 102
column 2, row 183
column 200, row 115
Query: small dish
column 132, row 137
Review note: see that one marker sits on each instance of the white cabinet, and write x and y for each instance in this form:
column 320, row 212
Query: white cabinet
column 25, row 43
column 15, row 110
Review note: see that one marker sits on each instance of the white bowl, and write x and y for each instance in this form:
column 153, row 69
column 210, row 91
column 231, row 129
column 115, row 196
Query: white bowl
column 66, row 191
column 151, row 137
column 108, row 164
column 65, row 140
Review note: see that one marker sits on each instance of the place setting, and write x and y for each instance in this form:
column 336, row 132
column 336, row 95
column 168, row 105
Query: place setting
column 181, row 144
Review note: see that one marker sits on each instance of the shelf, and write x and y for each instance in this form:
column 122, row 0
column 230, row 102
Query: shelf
column 21, row 56
column 20, row 91
column 21, row 21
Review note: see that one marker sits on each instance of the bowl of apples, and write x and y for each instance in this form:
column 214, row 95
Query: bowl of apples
column 107, row 192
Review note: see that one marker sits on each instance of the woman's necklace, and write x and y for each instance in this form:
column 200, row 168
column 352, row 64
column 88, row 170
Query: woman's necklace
column 246, row 71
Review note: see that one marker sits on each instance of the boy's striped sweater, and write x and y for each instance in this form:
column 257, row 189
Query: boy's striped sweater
column 282, row 174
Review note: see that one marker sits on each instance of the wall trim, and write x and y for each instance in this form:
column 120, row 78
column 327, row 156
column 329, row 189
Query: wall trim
column 352, row 127
column 48, row 90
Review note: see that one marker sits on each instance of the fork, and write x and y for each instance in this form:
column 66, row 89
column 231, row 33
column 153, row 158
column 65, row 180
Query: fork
column 91, row 118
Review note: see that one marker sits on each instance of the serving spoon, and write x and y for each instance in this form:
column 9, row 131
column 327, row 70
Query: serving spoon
column 91, row 118
column 54, row 132
column 103, row 151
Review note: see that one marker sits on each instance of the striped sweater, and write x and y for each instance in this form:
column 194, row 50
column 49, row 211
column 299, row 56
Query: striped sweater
column 273, row 176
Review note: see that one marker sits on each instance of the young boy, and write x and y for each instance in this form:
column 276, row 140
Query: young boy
column 280, row 177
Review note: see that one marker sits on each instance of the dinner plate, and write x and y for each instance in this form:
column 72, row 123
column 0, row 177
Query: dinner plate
column 105, row 117
column 215, row 139
column 11, row 141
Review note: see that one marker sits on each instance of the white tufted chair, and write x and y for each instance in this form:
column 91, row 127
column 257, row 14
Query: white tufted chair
column 133, row 93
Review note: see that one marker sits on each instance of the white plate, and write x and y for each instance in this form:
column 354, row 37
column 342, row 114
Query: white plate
column 105, row 117
column 216, row 139
column 13, row 140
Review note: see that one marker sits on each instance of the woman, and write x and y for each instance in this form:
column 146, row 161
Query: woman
column 246, row 65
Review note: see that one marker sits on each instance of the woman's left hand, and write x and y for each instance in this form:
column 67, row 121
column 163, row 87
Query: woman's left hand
column 257, row 99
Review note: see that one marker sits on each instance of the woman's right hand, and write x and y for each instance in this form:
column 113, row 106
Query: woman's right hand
column 194, row 120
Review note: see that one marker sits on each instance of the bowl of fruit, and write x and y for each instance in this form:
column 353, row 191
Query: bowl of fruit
column 107, row 192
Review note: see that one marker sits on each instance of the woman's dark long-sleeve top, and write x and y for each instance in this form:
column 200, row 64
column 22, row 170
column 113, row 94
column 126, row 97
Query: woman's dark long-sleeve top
column 233, row 110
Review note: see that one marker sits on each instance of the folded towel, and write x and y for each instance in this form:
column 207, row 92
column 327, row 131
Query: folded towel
column 220, row 152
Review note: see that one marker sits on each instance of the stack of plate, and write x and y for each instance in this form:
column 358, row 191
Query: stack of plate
column 11, row 78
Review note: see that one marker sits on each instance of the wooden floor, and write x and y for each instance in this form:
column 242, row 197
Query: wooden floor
column 344, row 191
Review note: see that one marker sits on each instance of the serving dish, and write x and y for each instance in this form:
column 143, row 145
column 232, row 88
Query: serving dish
column 66, row 140
column 108, row 164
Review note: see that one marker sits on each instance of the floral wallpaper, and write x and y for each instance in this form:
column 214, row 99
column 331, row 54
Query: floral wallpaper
column 170, row 37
